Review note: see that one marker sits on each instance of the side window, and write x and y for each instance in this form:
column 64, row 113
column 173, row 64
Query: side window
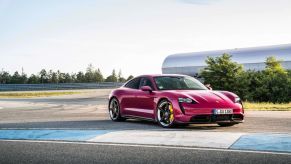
column 146, row 82
column 133, row 84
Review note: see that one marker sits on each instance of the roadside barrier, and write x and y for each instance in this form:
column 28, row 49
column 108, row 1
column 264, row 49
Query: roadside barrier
column 58, row 86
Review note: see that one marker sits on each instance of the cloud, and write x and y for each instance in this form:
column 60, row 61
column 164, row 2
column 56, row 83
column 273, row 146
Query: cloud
column 198, row 2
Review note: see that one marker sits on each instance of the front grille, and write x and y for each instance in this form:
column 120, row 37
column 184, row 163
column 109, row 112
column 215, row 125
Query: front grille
column 215, row 118
column 201, row 118
column 222, row 117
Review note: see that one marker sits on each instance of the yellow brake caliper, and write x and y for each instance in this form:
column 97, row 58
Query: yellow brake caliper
column 171, row 113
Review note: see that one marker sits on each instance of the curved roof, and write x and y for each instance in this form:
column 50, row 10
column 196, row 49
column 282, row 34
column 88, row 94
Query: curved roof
column 240, row 55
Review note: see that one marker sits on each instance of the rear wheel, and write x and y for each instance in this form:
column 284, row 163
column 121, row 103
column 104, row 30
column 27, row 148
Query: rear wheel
column 165, row 114
column 226, row 124
column 114, row 110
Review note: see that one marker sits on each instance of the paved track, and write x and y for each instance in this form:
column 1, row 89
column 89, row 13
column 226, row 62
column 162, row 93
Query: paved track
column 54, row 152
column 89, row 111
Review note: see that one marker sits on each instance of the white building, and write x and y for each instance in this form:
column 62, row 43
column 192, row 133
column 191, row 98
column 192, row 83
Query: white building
column 252, row 59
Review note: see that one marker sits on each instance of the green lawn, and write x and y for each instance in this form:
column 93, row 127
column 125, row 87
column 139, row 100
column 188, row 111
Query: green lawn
column 267, row 106
column 36, row 94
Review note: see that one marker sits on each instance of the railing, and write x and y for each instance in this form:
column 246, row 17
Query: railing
column 58, row 86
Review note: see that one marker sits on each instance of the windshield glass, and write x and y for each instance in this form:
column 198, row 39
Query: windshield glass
column 178, row 83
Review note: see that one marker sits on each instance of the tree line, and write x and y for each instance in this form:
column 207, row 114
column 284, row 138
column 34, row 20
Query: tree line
column 273, row 84
column 91, row 75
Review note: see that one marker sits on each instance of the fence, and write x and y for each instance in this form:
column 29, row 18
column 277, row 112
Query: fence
column 59, row 86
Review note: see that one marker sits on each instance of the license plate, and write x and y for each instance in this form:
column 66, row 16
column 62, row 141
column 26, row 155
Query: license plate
column 223, row 111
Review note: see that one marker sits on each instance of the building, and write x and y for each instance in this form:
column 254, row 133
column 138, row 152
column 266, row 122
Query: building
column 251, row 58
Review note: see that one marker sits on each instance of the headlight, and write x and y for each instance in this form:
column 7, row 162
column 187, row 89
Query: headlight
column 237, row 100
column 185, row 100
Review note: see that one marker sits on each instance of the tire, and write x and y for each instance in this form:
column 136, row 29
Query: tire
column 114, row 110
column 226, row 124
column 165, row 114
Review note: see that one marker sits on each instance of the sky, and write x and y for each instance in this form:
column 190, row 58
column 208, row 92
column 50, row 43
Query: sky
column 134, row 36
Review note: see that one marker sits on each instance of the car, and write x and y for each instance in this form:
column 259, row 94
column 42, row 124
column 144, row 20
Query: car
column 170, row 100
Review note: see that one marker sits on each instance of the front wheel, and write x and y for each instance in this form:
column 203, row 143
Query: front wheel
column 165, row 114
column 114, row 110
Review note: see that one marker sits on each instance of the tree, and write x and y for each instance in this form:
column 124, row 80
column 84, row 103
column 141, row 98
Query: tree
column 61, row 77
column 33, row 79
column 74, row 78
column 276, row 81
column 270, row 85
column 43, row 76
column 112, row 77
column 120, row 77
column 274, row 66
column 129, row 77
column 122, row 80
column 98, row 77
column 91, row 75
column 16, row 78
column 222, row 73
column 4, row 77
column 23, row 78
column 52, row 77
column 67, row 78
column 81, row 77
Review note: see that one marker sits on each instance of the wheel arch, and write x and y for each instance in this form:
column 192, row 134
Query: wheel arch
column 112, row 98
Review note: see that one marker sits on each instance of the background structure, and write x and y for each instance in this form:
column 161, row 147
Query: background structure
column 251, row 58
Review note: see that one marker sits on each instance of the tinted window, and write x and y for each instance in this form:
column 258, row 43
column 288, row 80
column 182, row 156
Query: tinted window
column 134, row 83
column 146, row 82
column 178, row 83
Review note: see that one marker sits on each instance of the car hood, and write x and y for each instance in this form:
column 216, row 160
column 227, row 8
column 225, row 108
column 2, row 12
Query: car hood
column 204, row 96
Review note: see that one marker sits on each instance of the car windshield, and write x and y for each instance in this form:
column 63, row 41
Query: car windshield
column 178, row 83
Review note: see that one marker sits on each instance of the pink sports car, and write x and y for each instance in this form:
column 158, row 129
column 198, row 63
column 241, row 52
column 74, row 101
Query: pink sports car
column 174, row 99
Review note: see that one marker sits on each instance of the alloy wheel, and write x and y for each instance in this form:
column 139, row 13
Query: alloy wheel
column 114, row 109
column 165, row 114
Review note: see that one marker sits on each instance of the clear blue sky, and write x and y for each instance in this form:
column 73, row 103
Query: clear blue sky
column 132, row 35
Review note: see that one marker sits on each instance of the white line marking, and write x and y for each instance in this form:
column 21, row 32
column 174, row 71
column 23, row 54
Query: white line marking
column 150, row 146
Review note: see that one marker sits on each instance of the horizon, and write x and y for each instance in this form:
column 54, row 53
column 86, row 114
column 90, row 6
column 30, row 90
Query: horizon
column 132, row 36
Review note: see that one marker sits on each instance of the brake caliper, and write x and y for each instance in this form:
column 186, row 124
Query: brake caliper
column 171, row 113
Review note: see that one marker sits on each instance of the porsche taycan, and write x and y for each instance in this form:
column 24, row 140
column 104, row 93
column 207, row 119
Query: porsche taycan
column 174, row 99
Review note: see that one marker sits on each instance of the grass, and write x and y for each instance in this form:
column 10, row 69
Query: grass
column 266, row 106
column 36, row 94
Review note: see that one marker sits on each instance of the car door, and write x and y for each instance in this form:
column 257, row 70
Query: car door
column 145, row 99
column 129, row 97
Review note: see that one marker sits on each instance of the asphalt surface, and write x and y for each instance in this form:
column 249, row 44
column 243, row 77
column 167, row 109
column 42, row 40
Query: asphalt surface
column 89, row 111
column 37, row 152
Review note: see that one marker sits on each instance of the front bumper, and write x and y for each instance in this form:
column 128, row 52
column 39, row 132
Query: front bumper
column 207, row 116
column 211, row 118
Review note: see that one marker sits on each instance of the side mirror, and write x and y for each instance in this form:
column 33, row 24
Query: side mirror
column 146, row 88
column 208, row 86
